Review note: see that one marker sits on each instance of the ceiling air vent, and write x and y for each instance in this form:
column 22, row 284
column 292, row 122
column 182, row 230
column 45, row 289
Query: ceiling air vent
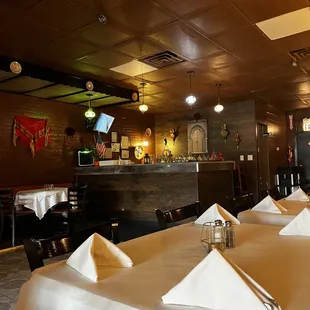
column 163, row 59
column 300, row 54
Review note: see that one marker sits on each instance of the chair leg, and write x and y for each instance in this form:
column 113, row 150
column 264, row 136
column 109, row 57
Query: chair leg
column 114, row 230
column 13, row 229
column 2, row 223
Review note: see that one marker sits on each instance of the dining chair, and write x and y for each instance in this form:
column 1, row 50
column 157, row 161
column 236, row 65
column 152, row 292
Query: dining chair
column 241, row 203
column 8, row 209
column 39, row 249
column 272, row 192
column 172, row 216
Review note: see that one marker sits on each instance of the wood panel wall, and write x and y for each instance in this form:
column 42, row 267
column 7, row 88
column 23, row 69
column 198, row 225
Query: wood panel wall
column 54, row 164
column 239, row 116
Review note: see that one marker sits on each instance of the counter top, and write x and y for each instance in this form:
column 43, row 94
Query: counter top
column 189, row 167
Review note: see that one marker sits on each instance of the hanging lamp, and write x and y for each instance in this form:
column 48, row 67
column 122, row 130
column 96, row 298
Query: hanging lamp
column 143, row 107
column 190, row 99
column 90, row 114
column 218, row 108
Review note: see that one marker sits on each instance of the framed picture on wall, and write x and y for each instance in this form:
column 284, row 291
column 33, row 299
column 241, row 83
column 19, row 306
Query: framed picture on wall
column 113, row 136
column 124, row 142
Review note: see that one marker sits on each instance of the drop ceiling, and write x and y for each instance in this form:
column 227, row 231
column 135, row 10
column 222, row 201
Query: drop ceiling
column 218, row 39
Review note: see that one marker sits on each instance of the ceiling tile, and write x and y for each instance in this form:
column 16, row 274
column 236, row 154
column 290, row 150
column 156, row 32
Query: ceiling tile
column 219, row 19
column 259, row 10
column 182, row 7
column 138, row 48
column 106, row 59
column 140, row 15
column 104, row 35
column 23, row 84
column 62, row 15
column 18, row 4
column 54, row 91
column 218, row 61
column 295, row 42
column 246, row 43
column 65, row 49
column 185, row 41
column 6, row 75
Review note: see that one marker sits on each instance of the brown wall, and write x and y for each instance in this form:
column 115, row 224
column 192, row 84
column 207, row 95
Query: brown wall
column 238, row 116
column 54, row 164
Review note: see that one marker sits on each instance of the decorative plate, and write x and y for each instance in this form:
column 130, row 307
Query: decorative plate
column 139, row 152
column 89, row 85
column 134, row 96
column 15, row 67
column 148, row 132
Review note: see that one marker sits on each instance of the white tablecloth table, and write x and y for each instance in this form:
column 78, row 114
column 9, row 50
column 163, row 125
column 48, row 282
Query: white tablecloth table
column 279, row 263
column 40, row 200
column 266, row 218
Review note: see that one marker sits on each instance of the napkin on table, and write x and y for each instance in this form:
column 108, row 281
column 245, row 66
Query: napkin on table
column 94, row 253
column 216, row 212
column 217, row 283
column 299, row 226
column 298, row 195
column 269, row 205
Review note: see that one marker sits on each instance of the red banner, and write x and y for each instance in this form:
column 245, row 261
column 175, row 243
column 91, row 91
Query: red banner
column 32, row 132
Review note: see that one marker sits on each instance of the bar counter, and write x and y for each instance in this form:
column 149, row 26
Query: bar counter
column 134, row 191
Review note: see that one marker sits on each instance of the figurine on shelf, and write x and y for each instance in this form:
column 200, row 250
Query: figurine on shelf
column 225, row 133
column 173, row 135
column 237, row 139
column 220, row 156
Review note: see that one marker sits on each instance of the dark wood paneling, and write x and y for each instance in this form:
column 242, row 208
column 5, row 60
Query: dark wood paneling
column 54, row 164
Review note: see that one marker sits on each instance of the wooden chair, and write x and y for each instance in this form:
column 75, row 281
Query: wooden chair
column 241, row 203
column 166, row 217
column 39, row 249
column 272, row 192
column 8, row 209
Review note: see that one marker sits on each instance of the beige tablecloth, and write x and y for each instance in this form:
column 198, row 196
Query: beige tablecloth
column 40, row 200
column 266, row 218
column 279, row 263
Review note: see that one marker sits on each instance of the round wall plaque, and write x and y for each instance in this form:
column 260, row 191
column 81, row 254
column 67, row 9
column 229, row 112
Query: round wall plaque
column 15, row 67
column 89, row 85
column 134, row 96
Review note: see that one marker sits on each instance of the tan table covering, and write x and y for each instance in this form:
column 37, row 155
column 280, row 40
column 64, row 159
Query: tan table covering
column 255, row 217
column 279, row 263
column 40, row 200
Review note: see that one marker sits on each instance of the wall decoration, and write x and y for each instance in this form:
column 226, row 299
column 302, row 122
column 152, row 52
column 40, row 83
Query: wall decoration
column 290, row 156
column 306, row 124
column 125, row 154
column 225, row 133
column 32, row 132
column 237, row 139
column 124, row 142
column 197, row 135
column 291, row 121
column 113, row 136
column 15, row 67
column 89, row 85
column 174, row 134
column 116, row 147
column 148, row 132
column 139, row 152
column 108, row 153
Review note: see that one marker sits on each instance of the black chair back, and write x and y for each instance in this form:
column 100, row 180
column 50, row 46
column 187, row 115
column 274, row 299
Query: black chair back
column 241, row 203
column 179, row 214
column 77, row 197
column 6, row 199
column 39, row 249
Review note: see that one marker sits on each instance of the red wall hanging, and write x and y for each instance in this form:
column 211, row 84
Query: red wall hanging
column 32, row 132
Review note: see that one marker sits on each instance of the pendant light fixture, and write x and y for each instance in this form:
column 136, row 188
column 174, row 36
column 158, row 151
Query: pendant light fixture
column 90, row 114
column 190, row 99
column 143, row 107
column 218, row 108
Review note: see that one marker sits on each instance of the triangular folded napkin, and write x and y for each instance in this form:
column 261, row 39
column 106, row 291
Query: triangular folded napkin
column 298, row 195
column 269, row 205
column 97, row 252
column 299, row 226
column 216, row 212
column 217, row 283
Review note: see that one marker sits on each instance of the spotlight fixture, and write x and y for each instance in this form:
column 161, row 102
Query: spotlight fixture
column 294, row 63
column 143, row 107
column 90, row 114
column 190, row 99
column 218, row 108
column 102, row 18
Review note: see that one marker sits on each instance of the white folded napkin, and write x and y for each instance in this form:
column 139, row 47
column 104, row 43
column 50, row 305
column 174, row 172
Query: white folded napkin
column 299, row 226
column 217, row 283
column 269, row 205
column 216, row 212
column 97, row 252
column 298, row 195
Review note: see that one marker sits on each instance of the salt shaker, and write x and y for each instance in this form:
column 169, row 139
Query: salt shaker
column 229, row 235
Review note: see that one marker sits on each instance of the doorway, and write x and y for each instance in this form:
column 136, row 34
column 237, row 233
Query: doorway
column 303, row 152
column 262, row 157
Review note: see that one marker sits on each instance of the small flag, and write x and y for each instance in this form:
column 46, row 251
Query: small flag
column 100, row 146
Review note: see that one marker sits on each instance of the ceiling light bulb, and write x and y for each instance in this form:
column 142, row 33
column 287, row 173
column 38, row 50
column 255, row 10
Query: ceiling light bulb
column 90, row 113
column 143, row 108
column 190, row 99
column 218, row 108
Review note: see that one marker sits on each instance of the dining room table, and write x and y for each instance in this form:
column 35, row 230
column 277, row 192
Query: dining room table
column 280, row 264
column 42, row 199
column 280, row 219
